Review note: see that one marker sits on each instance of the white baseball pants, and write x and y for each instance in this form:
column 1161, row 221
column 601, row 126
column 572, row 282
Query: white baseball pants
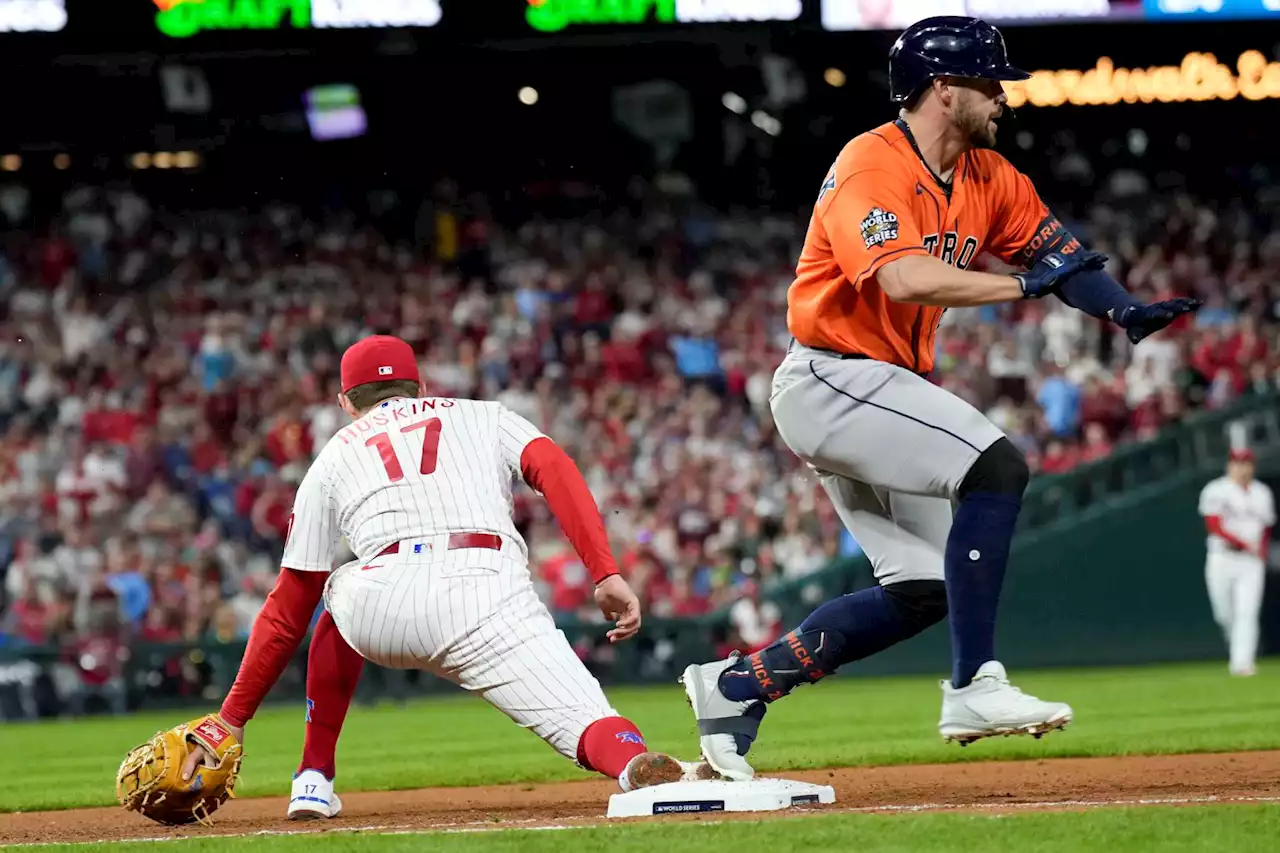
column 471, row 616
column 1235, row 583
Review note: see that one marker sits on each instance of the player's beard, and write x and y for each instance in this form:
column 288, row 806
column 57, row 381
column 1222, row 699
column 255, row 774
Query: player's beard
column 975, row 125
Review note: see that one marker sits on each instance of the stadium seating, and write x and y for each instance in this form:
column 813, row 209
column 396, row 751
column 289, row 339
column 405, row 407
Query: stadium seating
column 164, row 382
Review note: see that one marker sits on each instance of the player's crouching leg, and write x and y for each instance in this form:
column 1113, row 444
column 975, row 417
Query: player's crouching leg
column 614, row 746
column 524, row 666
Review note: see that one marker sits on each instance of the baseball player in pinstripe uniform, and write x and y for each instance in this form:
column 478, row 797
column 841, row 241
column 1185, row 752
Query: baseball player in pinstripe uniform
column 1239, row 513
column 421, row 489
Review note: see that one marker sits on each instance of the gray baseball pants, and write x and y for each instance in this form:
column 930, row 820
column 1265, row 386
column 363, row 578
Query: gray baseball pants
column 890, row 448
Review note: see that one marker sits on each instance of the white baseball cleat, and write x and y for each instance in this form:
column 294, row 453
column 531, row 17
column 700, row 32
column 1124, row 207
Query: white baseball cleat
column 697, row 771
column 720, row 719
column 991, row 706
column 648, row 769
column 313, row 797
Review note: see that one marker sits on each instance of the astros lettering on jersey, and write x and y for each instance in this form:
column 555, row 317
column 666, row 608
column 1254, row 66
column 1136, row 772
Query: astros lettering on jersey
column 880, row 202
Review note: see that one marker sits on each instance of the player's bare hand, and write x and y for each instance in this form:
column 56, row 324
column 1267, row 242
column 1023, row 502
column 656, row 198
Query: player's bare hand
column 199, row 755
column 618, row 603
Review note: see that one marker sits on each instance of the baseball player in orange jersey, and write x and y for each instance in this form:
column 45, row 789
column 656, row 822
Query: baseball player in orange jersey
column 421, row 489
column 926, row 484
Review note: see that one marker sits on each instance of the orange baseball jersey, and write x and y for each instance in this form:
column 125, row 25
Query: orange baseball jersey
column 880, row 202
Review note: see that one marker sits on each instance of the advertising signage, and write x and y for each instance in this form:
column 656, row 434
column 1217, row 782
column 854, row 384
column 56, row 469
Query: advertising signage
column 1198, row 77
column 24, row 16
column 1199, row 9
column 123, row 25
column 844, row 15
column 554, row 15
column 183, row 18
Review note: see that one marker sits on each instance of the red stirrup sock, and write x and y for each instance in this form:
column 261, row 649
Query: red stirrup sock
column 608, row 744
column 333, row 671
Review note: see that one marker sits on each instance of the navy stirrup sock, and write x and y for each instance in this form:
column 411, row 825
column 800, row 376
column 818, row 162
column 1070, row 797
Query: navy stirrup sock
column 843, row 629
column 976, row 556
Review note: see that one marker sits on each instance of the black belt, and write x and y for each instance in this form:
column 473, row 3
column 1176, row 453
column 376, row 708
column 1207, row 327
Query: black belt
column 855, row 356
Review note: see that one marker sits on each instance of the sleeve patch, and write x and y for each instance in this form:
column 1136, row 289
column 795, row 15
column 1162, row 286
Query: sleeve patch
column 879, row 227
column 828, row 185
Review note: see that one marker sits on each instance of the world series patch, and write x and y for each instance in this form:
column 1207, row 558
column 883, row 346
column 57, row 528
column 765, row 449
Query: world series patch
column 879, row 227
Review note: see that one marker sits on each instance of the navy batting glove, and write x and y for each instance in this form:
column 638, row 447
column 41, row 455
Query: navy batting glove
column 1053, row 269
column 1139, row 321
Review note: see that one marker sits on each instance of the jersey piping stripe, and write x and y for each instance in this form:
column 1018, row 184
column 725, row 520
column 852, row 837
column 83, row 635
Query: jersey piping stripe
column 880, row 261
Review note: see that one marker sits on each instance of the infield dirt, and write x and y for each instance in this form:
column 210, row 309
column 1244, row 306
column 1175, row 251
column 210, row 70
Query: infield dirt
column 1070, row 783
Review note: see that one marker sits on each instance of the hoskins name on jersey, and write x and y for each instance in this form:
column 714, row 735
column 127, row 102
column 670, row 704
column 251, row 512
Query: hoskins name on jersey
column 379, row 418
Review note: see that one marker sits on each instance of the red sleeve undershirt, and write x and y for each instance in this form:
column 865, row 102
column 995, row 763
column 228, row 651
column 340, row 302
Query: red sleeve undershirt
column 276, row 634
column 550, row 470
column 1213, row 524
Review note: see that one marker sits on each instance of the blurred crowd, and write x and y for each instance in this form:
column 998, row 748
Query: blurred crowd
column 165, row 379
column 1068, row 388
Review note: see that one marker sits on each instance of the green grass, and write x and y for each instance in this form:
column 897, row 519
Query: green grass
column 1196, row 829
column 844, row 721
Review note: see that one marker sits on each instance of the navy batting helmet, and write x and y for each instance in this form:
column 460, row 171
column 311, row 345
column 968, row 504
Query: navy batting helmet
column 947, row 46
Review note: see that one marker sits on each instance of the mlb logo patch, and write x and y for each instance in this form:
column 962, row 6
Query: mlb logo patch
column 631, row 737
column 879, row 227
column 385, row 370
column 827, row 186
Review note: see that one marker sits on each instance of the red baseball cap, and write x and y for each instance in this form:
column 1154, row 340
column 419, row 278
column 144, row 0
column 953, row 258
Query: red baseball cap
column 1241, row 454
column 380, row 358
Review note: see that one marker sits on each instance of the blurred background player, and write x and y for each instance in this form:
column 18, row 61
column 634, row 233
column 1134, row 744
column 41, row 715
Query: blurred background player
column 1239, row 513
column 421, row 489
column 900, row 216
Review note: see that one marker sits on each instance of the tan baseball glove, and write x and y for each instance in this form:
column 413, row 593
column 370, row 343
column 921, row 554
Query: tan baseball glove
column 150, row 778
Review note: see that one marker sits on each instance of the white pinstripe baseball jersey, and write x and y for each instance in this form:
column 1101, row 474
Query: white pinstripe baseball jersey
column 407, row 469
column 1245, row 512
